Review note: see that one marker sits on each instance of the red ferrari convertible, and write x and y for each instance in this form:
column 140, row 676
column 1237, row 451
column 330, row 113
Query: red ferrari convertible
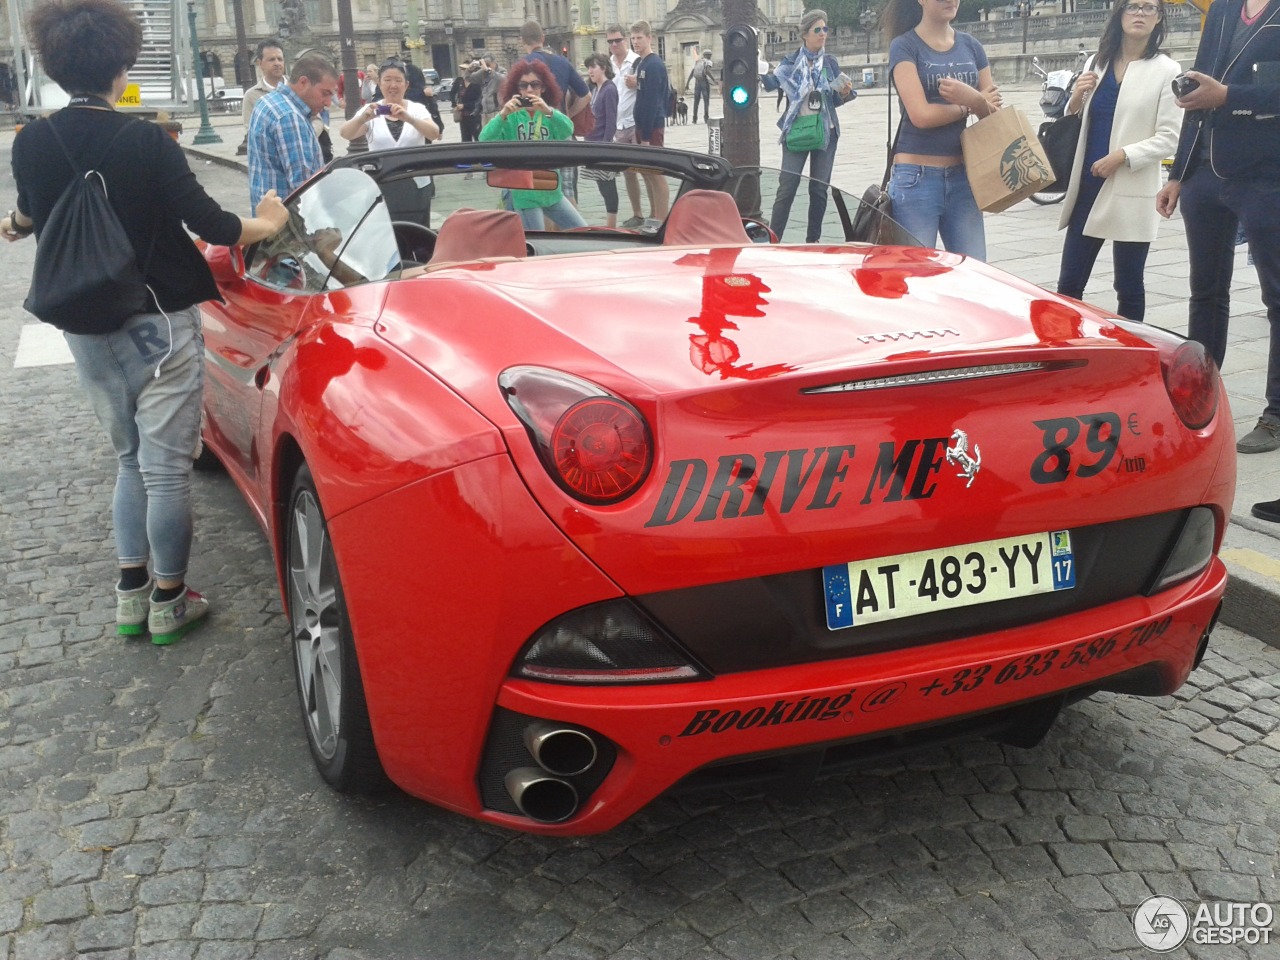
column 564, row 518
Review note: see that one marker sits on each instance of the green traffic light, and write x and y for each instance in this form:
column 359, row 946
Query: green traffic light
column 740, row 96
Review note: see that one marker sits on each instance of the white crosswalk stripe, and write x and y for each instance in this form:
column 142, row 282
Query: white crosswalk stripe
column 40, row 345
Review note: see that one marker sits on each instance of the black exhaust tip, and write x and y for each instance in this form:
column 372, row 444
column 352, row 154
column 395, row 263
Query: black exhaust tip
column 1204, row 638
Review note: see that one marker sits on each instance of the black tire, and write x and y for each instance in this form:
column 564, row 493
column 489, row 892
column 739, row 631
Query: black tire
column 324, row 656
column 206, row 461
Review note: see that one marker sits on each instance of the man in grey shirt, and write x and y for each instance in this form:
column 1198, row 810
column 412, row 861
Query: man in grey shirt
column 270, row 61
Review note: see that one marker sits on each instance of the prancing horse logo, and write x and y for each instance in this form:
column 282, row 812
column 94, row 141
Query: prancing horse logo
column 959, row 455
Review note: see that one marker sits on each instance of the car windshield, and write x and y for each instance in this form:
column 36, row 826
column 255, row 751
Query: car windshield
column 315, row 252
column 378, row 215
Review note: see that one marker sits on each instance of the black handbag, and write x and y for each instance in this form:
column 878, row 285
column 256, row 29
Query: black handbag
column 1059, row 139
column 873, row 223
column 869, row 221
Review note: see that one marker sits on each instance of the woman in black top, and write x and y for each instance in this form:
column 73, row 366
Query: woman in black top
column 144, row 379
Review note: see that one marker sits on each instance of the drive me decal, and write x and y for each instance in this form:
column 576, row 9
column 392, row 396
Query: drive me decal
column 817, row 478
column 780, row 481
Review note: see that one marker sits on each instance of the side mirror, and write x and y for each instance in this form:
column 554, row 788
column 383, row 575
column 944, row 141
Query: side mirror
column 758, row 231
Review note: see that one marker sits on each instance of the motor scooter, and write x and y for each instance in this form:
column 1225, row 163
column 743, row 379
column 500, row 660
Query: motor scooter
column 1054, row 96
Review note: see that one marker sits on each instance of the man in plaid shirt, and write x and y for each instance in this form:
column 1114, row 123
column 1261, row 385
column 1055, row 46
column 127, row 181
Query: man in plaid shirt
column 283, row 149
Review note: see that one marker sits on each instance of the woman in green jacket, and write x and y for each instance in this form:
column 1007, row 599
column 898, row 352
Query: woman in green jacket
column 529, row 114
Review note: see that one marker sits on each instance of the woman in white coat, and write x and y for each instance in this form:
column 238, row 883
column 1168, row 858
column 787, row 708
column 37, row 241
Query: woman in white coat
column 1130, row 124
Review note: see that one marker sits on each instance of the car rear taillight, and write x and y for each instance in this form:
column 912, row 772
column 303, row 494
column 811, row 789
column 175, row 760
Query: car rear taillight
column 1191, row 380
column 594, row 444
column 1191, row 552
column 610, row 642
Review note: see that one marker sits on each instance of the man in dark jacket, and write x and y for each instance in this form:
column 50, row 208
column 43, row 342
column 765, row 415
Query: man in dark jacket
column 652, row 88
column 1227, row 171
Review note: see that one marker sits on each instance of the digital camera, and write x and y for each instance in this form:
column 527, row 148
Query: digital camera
column 1182, row 85
column 383, row 109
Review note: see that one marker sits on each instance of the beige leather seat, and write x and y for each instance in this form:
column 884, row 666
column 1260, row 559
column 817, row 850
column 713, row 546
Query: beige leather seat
column 704, row 218
column 477, row 235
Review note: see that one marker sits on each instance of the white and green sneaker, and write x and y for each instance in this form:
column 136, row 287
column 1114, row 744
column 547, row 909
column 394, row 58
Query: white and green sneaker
column 132, row 607
column 170, row 619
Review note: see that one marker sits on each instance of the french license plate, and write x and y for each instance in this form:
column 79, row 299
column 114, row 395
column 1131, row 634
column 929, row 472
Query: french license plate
column 890, row 588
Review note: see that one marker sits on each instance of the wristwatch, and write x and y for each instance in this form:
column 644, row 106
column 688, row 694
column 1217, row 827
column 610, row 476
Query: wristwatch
column 17, row 228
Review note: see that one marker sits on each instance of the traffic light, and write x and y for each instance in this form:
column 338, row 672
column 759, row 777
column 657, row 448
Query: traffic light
column 741, row 66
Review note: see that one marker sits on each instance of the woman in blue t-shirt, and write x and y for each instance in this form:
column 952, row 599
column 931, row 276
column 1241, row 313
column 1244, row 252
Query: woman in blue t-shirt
column 943, row 78
column 1130, row 123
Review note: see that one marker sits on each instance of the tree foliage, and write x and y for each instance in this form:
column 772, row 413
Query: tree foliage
column 847, row 14
column 973, row 10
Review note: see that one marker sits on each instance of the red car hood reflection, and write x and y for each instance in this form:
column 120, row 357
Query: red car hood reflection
column 672, row 318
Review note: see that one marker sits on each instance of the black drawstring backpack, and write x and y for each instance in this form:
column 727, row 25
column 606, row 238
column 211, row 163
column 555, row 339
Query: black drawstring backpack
column 86, row 277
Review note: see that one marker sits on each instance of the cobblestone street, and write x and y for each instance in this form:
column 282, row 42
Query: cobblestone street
column 160, row 803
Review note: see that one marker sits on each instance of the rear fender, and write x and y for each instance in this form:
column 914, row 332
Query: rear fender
column 433, row 664
column 366, row 418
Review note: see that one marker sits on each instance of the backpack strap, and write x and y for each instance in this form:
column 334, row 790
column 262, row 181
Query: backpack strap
column 84, row 173
column 891, row 144
column 67, row 153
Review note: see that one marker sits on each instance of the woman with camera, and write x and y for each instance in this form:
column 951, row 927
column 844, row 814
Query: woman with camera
column 1129, row 124
column 1227, row 175
column 812, row 82
column 530, row 97
column 392, row 121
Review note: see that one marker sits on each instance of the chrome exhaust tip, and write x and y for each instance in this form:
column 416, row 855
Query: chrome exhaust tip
column 540, row 797
column 564, row 751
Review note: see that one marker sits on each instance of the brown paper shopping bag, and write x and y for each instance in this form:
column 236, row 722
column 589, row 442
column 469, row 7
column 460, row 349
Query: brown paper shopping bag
column 1004, row 160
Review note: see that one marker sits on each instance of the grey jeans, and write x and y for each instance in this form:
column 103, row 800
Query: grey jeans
column 145, row 382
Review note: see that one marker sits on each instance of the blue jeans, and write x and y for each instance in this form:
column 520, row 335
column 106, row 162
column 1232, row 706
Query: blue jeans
column 1211, row 209
column 562, row 213
column 153, row 422
column 820, row 164
column 933, row 201
column 1079, row 253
